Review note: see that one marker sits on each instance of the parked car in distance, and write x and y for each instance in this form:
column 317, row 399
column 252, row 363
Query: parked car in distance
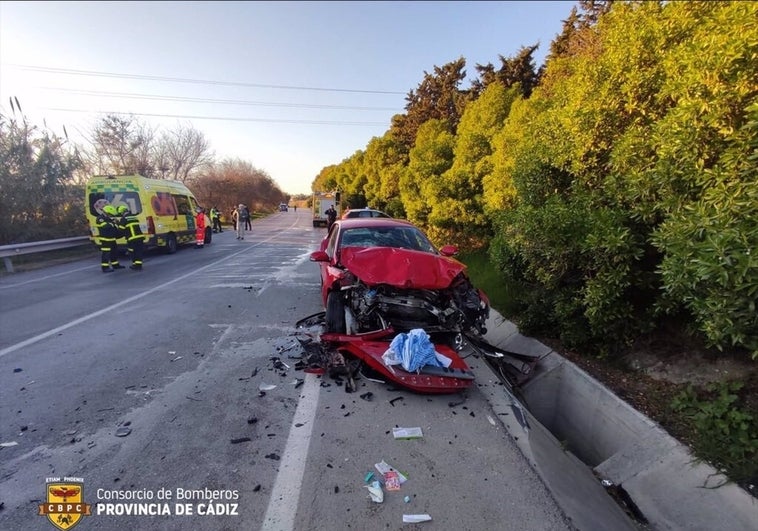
column 383, row 272
column 364, row 213
column 283, row 207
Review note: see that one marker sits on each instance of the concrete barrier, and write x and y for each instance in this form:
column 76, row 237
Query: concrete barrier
column 666, row 486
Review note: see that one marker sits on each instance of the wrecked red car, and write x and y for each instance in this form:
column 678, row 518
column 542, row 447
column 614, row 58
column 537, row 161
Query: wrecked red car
column 378, row 273
column 381, row 277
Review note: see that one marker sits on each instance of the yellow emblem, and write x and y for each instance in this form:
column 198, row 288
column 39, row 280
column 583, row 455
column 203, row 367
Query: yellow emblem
column 64, row 506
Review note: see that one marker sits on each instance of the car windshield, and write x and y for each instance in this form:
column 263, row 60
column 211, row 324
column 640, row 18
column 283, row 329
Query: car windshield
column 399, row 237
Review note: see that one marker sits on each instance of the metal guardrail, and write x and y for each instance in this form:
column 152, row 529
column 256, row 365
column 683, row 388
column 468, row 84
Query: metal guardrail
column 17, row 249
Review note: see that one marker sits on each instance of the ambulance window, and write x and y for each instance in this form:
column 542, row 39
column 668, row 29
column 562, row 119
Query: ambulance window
column 129, row 199
column 183, row 204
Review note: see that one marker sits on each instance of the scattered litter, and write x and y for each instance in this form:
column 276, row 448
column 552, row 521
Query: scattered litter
column 172, row 352
column 266, row 387
column 195, row 399
column 606, row 483
column 18, row 369
column 257, row 487
column 240, row 440
column 454, row 404
column 382, row 467
column 273, row 456
column 368, row 477
column 177, row 358
column 407, row 499
column 123, row 431
column 367, row 396
column 391, row 480
column 336, row 489
column 407, row 433
column 8, row 444
column 298, row 382
column 416, row 518
column 252, row 420
column 492, row 421
column 375, row 491
column 392, row 402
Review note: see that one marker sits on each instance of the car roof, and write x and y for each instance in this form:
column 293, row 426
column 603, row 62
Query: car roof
column 374, row 222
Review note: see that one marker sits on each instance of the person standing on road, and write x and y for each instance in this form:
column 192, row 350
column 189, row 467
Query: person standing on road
column 216, row 220
column 239, row 222
column 200, row 228
column 248, row 221
column 107, row 231
column 331, row 217
column 135, row 240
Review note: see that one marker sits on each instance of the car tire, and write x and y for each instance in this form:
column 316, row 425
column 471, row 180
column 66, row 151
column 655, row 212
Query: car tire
column 171, row 244
column 335, row 313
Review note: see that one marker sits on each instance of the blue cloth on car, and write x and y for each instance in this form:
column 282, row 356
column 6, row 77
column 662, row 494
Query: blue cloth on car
column 412, row 350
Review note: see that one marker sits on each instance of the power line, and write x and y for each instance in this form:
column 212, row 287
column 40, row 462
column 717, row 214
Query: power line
column 189, row 80
column 219, row 101
column 221, row 118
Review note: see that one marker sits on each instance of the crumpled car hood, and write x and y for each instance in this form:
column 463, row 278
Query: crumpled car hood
column 401, row 268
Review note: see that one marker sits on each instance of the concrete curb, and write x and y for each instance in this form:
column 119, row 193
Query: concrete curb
column 606, row 435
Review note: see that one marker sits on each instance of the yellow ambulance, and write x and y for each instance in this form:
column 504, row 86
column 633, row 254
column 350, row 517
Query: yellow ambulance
column 166, row 209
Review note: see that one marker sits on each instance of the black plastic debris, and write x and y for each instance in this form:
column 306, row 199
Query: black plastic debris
column 257, row 487
column 392, row 402
column 273, row 456
column 454, row 404
column 18, row 369
column 123, row 431
column 240, row 440
column 252, row 420
column 367, row 396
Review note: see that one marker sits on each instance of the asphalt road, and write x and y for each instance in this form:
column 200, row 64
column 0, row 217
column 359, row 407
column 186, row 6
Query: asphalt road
column 144, row 389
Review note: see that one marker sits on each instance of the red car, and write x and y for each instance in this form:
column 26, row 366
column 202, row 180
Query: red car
column 379, row 273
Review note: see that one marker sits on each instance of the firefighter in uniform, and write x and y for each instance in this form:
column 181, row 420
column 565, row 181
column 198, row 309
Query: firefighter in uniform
column 107, row 233
column 135, row 240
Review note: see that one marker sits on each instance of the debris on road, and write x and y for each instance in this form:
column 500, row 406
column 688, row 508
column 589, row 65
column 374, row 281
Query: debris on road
column 8, row 444
column 123, row 431
column 392, row 480
column 382, row 467
column 240, row 440
column 367, row 396
column 392, row 402
column 273, row 456
column 416, row 518
column 18, row 369
column 266, row 387
column 375, row 492
column 407, row 433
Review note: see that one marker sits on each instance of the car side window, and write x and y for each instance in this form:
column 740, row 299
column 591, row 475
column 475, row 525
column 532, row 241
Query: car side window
column 332, row 244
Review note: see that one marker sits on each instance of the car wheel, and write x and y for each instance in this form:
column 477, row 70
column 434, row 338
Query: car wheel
column 171, row 244
column 335, row 313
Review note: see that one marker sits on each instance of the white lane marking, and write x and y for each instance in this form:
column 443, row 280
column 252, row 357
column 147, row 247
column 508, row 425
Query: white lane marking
column 282, row 505
column 6, row 286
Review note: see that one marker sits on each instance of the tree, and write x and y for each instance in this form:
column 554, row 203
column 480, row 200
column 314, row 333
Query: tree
column 438, row 96
column 519, row 69
column 38, row 200
column 123, row 146
column 457, row 203
column 181, row 152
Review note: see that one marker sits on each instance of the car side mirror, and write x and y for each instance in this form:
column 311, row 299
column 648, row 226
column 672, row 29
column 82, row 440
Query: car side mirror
column 449, row 250
column 319, row 256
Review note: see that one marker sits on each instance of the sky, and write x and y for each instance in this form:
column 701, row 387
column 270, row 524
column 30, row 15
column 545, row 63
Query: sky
column 290, row 87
